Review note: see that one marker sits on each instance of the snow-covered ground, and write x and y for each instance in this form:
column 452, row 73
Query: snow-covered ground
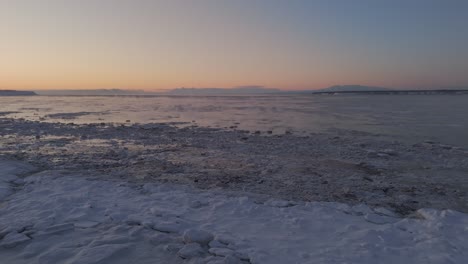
column 65, row 217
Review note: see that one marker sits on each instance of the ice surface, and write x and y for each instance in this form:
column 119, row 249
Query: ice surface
column 75, row 213
column 321, row 167
column 405, row 116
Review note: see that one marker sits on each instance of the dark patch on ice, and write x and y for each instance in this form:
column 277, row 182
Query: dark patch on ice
column 8, row 113
column 72, row 115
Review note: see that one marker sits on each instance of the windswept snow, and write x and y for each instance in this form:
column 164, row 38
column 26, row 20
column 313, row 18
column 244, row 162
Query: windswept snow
column 8, row 176
column 65, row 217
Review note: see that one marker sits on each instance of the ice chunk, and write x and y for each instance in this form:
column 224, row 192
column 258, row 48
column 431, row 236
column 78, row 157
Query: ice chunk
column 4, row 192
column 168, row 227
column 279, row 203
column 384, row 211
column 173, row 247
column 191, row 250
column 161, row 238
column 110, row 239
column 57, row 255
column 379, row 219
column 5, row 231
column 12, row 239
column 197, row 236
column 196, row 204
column 216, row 244
column 232, row 260
column 59, row 228
column 362, row 209
column 221, row 251
column 99, row 254
column 86, row 224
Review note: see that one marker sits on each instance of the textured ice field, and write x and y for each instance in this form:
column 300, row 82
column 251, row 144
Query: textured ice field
column 413, row 118
column 348, row 167
column 59, row 217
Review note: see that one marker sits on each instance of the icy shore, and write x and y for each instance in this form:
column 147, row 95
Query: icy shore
column 345, row 166
column 155, row 193
column 65, row 217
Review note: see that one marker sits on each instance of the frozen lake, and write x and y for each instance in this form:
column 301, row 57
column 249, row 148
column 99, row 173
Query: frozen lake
column 411, row 118
column 262, row 199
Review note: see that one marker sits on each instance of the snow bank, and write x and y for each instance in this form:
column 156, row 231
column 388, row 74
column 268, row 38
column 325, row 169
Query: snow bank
column 63, row 218
column 8, row 176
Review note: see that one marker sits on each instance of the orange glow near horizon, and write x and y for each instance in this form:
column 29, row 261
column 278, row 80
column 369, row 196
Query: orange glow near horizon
column 153, row 45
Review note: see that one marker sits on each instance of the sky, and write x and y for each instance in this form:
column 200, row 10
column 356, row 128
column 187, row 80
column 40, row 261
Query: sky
column 310, row 44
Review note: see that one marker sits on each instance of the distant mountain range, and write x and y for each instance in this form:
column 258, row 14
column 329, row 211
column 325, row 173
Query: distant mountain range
column 177, row 91
column 108, row 92
column 352, row 88
column 241, row 90
column 264, row 90
column 16, row 93
column 225, row 91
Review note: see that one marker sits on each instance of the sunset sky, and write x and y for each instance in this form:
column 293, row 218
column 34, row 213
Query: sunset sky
column 143, row 44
